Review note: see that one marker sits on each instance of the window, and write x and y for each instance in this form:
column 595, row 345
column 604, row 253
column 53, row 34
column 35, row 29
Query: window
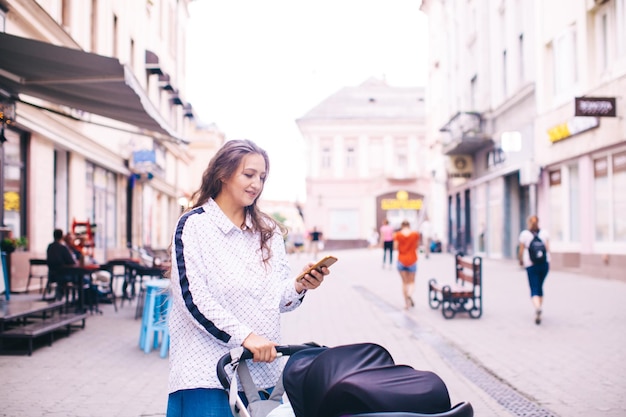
column 100, row 204
column 350, row 158
column 556, row 205
column 66, row 14
column 601, row 199
column 565, row 63
column 401, row 162
column 602, row 34
column 115, row 36
column 376, row 157
column 14, row 184
column 326, row 160
column 3, row 20
column 620, row 24
column 132, row 53
column 504, row 78
column 619, row 197
column 94, row 26
column 473, row 91
column 521, row 58
column 574, row 204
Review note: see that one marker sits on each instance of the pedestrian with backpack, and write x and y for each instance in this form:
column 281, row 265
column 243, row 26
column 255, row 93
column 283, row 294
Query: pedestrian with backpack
column 534, row 256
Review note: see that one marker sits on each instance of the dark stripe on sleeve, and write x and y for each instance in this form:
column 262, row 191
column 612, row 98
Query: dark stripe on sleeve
column 184, row 281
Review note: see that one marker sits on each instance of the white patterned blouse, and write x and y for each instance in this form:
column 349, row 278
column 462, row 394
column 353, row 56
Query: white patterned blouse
column 221, row 292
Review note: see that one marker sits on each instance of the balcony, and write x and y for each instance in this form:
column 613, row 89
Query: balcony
column 464, row 134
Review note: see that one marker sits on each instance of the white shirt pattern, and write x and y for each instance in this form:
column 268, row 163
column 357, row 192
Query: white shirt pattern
column 221, row 292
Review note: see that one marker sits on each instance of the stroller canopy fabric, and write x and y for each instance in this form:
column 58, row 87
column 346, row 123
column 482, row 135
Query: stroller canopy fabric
column 359, row 378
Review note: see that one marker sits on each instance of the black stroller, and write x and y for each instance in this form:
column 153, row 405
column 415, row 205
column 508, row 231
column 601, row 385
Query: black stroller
column 359, row 380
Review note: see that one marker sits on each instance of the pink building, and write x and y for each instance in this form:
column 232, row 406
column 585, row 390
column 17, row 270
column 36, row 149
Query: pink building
column 367, row 160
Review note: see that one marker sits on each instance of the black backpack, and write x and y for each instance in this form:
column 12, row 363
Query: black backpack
column 537, row 250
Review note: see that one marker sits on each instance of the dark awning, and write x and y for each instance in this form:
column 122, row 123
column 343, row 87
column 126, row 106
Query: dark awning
column 89, row 82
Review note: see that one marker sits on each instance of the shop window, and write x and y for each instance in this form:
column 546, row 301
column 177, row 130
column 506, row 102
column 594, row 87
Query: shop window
column 14, row 162
column 574, row 204
column 101, row 204
column 556, row 205
column 601, row 199
column 619, row 197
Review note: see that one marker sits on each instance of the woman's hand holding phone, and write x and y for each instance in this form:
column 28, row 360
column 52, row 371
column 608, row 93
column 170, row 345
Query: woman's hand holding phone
column 313, row 274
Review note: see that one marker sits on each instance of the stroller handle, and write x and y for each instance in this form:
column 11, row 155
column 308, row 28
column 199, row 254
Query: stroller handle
column 283, row 350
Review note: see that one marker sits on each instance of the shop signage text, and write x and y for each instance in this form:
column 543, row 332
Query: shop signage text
column 401, row 202
column 595, row 106
column 572, row 127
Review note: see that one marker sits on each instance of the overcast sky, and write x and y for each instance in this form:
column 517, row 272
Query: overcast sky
column 254, row 67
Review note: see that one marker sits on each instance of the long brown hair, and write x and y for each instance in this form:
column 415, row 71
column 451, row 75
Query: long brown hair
column 222, row 166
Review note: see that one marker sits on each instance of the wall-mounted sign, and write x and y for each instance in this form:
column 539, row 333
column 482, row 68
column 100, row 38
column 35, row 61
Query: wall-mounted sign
column 403, row 201
column 460, row 166
column 572, row 127
column 595, row 106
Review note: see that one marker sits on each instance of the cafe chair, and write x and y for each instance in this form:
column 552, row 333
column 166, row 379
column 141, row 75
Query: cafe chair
column 37, row 269
column 154, row 326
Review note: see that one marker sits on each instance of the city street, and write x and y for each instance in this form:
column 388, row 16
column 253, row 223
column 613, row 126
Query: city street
column 573, row 364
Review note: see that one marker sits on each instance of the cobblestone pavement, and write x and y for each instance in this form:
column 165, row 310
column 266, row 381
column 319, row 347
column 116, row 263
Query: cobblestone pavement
column 572, row 365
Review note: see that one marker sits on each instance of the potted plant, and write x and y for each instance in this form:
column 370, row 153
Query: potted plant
column 21, row 243
column 8, row 245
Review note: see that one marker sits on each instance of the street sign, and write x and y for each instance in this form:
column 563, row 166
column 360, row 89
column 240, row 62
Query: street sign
column 595, row 106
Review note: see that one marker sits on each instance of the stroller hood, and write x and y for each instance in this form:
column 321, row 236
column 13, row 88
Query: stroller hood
column 359, row 378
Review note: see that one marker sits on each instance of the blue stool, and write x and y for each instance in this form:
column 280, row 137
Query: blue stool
column 154, row 321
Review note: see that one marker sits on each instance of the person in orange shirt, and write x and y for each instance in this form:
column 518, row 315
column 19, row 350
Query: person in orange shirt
column 406, row 242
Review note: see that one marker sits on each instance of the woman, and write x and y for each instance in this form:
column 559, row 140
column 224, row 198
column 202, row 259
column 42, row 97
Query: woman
column 537, row 271
column 386, row 240
column 230, row 280
column 406, row 241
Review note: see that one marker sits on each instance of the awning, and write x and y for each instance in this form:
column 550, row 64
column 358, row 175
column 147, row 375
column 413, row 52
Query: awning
column 89, row 82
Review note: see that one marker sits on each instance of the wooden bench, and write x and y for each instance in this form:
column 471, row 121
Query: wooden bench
column 464, row 295
column 46, row 326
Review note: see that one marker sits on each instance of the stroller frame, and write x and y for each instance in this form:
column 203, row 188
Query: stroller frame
column 239, row 355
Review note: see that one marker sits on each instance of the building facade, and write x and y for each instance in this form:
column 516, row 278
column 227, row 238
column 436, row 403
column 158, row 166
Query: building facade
column 100, row 129
column 504, row 76
column 580, row 133
column 367, row 160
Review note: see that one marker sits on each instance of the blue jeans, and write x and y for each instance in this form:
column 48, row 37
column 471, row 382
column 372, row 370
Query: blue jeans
column 410, row 268
column 388, row 248
column 199, row 402
column 536, row 276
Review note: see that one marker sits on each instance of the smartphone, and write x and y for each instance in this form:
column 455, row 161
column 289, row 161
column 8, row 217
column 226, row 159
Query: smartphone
column 325, row 261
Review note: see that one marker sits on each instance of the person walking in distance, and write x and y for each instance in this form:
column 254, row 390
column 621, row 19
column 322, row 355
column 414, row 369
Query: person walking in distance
column 407, row 243
column 316, row 243
column 386, row 238
column 534, row 255
column 230, row 281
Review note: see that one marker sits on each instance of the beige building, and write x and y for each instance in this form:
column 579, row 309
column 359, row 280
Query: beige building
column 367, row 160
column 580, row 133
column 504, row 78
column 96, row 123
